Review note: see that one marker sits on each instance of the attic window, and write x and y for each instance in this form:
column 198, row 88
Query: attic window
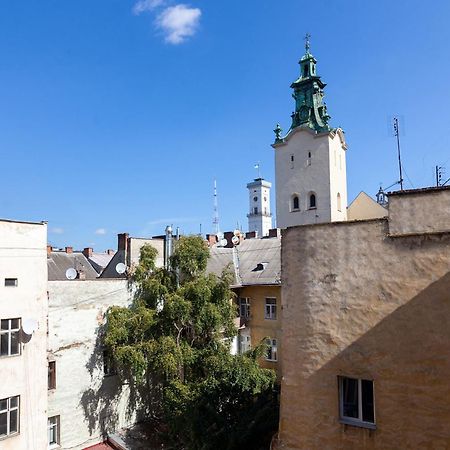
column 261, row 265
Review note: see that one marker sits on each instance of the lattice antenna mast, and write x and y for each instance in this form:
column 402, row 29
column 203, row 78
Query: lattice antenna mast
column 397, row 135
column 215, row 222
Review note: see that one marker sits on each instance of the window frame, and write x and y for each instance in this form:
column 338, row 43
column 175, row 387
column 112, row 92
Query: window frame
column 311, row 196
column 7, row 411
column 272, row 349
column 11, row 282
column 356, row 421
column 10, row 331
column 246, row 306
column 50, row 428
column 295, row 203
column 270, row 309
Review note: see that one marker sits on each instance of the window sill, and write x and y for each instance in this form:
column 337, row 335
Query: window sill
column 295, row 210
column 270, row 318
column 312, row 208
column 52, row 446
column 6, row 436
column 10, row 356
column 271, row 360
column 359, row 424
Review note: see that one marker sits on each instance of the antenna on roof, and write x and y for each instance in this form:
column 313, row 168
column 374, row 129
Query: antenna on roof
column 440, row 170
column 215, row 222
column 395, row 124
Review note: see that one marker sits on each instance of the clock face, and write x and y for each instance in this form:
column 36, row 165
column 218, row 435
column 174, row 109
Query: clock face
column 304, row 113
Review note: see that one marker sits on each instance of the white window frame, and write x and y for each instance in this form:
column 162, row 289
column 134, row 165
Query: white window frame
column 53, row 429
column 272, row 351
column 356, row 421
column 7, row 411
column 270, row 309
column 9, row 331
column 244, row 303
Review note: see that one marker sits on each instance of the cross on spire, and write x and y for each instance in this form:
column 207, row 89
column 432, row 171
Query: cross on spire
column 307, row 43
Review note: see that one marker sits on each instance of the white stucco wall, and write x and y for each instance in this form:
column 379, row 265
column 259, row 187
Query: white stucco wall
column 324, row 173
column 23, row 256
column 262, row 221
column 88, row 403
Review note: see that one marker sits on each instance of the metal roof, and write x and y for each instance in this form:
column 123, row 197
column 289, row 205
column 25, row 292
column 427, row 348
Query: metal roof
column 100, row 260
column 258, row 261
column 59, row 262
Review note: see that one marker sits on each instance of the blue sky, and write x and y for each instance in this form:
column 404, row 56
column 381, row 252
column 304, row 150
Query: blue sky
column 117, row 115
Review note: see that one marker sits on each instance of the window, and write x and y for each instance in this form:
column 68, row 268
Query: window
column 11, row 282
column 339, row 201
column 52, row 375
column 9, row 337
column 244, row 307
column 245, row 343
column 9, row 416
column 305, row 71
column 295, row 203
column 109, row 367
column 312, row 201
column 271, row 308
column 53, row 431
column 308, row 161
column 271, row 349
column 255, row 199
column 255, row 210
column 356, row 402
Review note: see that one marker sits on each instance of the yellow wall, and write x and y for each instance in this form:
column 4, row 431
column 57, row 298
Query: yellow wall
column 259, row 326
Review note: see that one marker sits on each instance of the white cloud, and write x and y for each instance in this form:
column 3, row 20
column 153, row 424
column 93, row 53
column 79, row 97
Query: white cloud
column 100, row 231
column 178, row 22
column 57, row 230
column 146, row 5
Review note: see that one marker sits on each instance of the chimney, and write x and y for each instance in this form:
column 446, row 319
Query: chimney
column 110, row 252
column 49, row 249
column 122, row 242
column 251, row 235
column 211, row 239
column 88, row 252
column 274, row 232
column 69, row 250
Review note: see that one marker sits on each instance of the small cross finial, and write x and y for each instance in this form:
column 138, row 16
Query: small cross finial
column 307, row 43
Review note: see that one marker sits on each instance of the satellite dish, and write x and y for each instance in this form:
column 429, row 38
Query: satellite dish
column 236, row 232
column 219, row 236
column 235, row 240
column 121, row 268
column 29, row 326
column 223, row 242
column 71, row 274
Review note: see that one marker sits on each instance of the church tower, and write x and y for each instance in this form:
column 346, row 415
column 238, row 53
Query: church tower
column 259, row 216
column 310, row 169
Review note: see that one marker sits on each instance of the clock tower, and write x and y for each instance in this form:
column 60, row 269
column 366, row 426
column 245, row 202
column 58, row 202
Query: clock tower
column 310, row 168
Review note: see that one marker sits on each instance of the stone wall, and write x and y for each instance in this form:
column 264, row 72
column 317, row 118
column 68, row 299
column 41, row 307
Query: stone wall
column 362, row 304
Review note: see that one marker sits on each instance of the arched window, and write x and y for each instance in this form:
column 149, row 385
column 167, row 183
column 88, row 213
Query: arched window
column 338, row 201
column 295, row 203
column 312, row 201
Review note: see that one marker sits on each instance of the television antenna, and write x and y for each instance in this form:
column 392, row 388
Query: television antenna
column 395, row 124
column 215, row 221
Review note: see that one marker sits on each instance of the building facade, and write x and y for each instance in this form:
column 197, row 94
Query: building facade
column 366, row 329
column 259, row 215
column 23, row 336
column 310, row 160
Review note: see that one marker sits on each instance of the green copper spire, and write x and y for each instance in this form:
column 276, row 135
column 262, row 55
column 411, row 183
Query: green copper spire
column 310, row 109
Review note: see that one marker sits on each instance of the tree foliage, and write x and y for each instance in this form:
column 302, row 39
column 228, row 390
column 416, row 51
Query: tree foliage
column 175, row 340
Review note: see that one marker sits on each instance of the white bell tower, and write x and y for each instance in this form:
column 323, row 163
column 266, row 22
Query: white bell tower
column 310, row 167
column 259, row 216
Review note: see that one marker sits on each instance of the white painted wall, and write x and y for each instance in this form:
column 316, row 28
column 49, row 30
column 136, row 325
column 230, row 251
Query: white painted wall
column 323, row 173
column 88, row 403
column 23, row 256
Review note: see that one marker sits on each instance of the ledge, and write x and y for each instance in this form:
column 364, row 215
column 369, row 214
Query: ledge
column 358, row 424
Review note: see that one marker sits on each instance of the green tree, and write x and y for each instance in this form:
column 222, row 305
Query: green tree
column 175, row 341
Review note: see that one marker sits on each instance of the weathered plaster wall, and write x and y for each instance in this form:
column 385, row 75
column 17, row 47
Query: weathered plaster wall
column 362, row 304
column 424, row 211
column 89, row 404
column 260, row 327
column 23, row 255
